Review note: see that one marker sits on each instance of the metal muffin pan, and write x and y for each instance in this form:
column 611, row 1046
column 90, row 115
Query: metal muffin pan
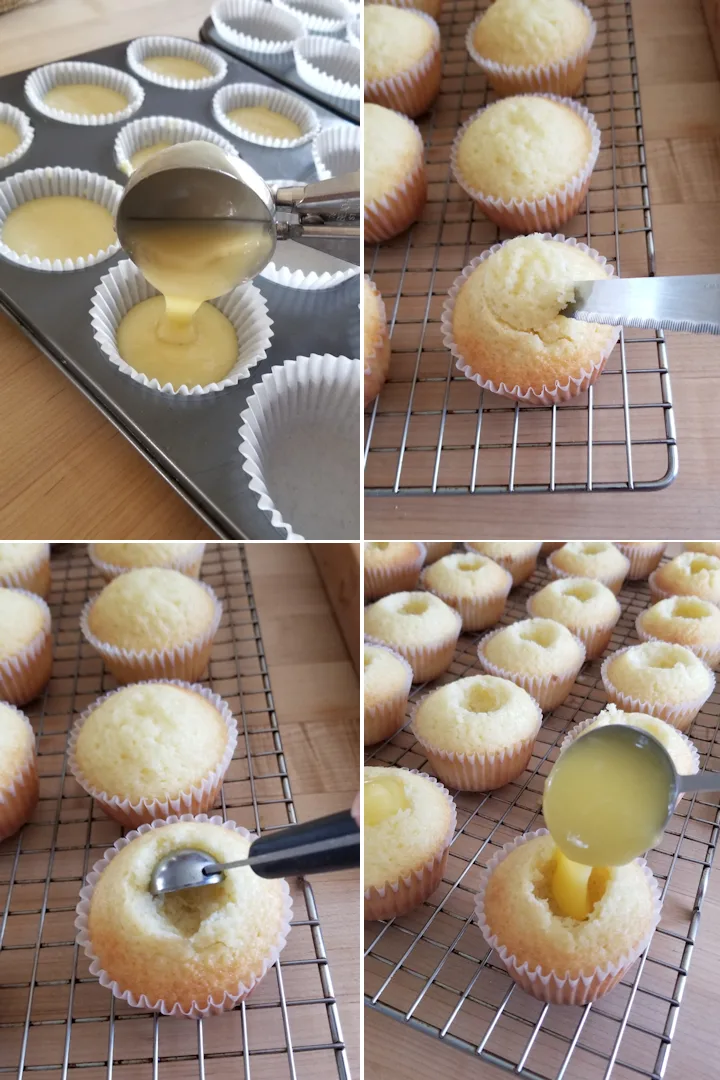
column 193, row 442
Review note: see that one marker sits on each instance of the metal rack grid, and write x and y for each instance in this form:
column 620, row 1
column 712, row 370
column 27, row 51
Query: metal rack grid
column 433, row 431
column 54, row 1017
column 432, row 969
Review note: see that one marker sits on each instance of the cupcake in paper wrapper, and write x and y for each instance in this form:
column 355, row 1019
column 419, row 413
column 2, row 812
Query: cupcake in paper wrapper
column 595, row 638
column 18, row 120
column 383, row 719
column 559, row 987
column 329, row 65
column 25, row 673
column 642, row 562
column 143, row 49
column 189, row 564
column 151, row 130
column 432, row 659
column 34, row 577
column 614, row 582
column 124, row 287
column 679, row 715
column 477, row 612
column 233, row 993
column 400, row 207
column 256, row 26
column 73, row 72
column 19, row 793
column 253, row 95
column 413, row 91
column 336, row 151
column 708, row 652
column 548, row 690
column 317, row 16
column 381, row 580
column 299, row 439
column 195, row 800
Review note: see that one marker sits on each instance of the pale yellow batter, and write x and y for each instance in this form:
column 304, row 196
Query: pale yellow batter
column 263, row 121
column 140, row 156
column 9, row 139
column 85, row 99
column 59, row 227
column 177, row 67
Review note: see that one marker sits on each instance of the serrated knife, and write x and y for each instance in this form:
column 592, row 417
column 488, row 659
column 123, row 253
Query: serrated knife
column 686, row 304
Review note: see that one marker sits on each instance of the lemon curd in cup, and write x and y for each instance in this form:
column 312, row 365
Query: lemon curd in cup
column 383, row 796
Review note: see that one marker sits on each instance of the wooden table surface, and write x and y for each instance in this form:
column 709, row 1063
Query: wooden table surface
column 680, row 94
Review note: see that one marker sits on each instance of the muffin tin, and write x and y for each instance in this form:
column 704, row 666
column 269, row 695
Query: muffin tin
column 192, row 441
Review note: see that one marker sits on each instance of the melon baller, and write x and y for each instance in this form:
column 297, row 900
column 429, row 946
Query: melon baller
column 327, row 843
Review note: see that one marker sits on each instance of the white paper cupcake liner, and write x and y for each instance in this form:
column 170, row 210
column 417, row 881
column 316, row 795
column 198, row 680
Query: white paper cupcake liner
column 563, row 77
column 559, row 988
column 534, row 215
column 413, row 91
column 302, row 466
column 297, row 266
column 548, row 690
column 197, row 799
column 657, row 592
column 402, row 895
column 336, row 150
column 577, row 731
column 144, row 48
column 352, row 31
column 189, row 564
column 19, row 798
column 317, row 16
column 124, row 287
column 519, row 566
column 642, row 563
column 383, row 580
column 168, row 1008
column 329, row 65
column 614, row 582
column 549, row 395
column 34, row 577
column 17, row 119
column 708, row 652
column 430, row 660
column 251, row 95
column 26, row 673
column 595, row 638
column 477, row 612
column 382, row 720
column 186, row 662
column 150, row 130
column 400, row 207
column 43, row 79
column 38, row 183
column 680, row 716
column 256, row 26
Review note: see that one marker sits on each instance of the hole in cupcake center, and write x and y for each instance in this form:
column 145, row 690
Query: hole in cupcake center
column 667, row 659
column 384, row 796
column 367, row 661
column 581, row 592
column 468, row 564
column 594, row 548
column 597, row 884
column 700, row 563
column 376, row 545
column 691, row 609
column 418, row 605
column 544, row 636
column 483, row 699
column 188, row 909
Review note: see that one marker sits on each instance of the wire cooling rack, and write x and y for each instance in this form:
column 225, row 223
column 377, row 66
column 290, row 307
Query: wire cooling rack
column 54, row 1017
column 433, row 431
column 431, row 968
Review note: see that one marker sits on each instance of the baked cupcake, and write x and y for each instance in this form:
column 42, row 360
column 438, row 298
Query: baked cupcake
column 409, row 822
column 551, row 955
column 540, row 655
column 114, row 559
column 689, row 574
column 402, row 58
column 430, row 7
column 25, row 646
column 391, row 566
column 502, row 320
column 420, row 627
column 192, row 953
column 435, row 549
column 18, row 772
column 684, row 620
column 705, row 547
column 478, row 733
column 376, row 341
column 597, row 559
column 656, row 677
column 549, row 546
column 387, row 678
column 643, row 558
column 25, row 566
column 474, row 585
column 529, row 45
column 588, row 608
column 518, row 556
column 153, row 624
column 152, row 750
column 395, row 181
column 527, row 161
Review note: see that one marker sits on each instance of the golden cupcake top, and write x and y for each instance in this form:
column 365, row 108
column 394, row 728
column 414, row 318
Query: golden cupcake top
column 659, row 672
column 374, row 316
column 385, row 675
column 677, row 746
column 480, row 714
column 501, row 549
column 528, row 33
column 435, row 549
column 400, row 553
column 575, row 601
column 707, row 547
column 411, row 618
column 686, row 620
column 393, row 149
column 534, row 647
column 395, row 39
column 591, row 558
column 148, row 554
column 14, row 557
column 691, row 573
column 22, row 617
column 466, row 574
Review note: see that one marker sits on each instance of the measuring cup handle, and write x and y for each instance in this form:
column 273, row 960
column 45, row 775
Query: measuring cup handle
column 338, row 847
column 704, row 781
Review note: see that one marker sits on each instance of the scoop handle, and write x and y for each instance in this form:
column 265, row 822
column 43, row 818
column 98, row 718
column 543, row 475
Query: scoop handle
column 702, row 781
column 327, row 843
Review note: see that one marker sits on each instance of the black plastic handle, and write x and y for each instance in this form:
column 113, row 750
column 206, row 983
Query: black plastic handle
column 328, row 843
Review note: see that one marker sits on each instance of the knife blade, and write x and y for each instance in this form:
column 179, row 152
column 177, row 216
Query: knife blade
column 689, row 304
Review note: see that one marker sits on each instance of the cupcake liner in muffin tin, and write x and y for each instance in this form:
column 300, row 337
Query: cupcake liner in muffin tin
column 153, row 129
column 411, row 92
column 680, row 716
column 189, row 565
column 549, row 395
column 336, row 151
column 256, row 26
column 299, row 435
column 26, row 673
column 144, row 48
column 19, row 798
column 708, row 653
column 34, row 577
column 317, row 16
column 124, row 287
column 17, row 119
column 577, row 731
column 559, row 988
column 328, row 65
column 195, row 800
column 548, row 690
column 382, row 580
column 170, row 1008
column 614, row 582
column 251, row 95
column 296, row 266
column 642, row 563
column 381, row 721
column 43, row 79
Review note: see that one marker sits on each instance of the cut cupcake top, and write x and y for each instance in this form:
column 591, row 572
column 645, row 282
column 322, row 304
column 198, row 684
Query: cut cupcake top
column 386, row 675
column 393, row 150
column 685, row 620
column 400, row 553
column 528, row 33
column 395, row 39
column 707, row 547
column 151, row 741
column 477, row 715
column 519, row 908
column 659, row 673
column 17, row 743
column 533, row 647
column 678, row 747
column 22, row 617
column 14, row 557
column 151, row 608
column 692, row 573
column 408, row 818
column 411, row 618
column 501, row 549
column 139, row 555
column 575, row 602
column 466, row 575
column 510, row 150
column 590, row 558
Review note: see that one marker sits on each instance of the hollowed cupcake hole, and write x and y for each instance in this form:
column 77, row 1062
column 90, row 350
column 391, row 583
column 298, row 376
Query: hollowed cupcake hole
column 416, row 606
column 593, row 548
column 187, row 910
column 542, row 887
column 368, row 661
column 544, row 636
column 583, row 593
column 701, row 563
column 377, row 546
column 483, row 699
column 668, row 658
column 691, row 609
column 468, row 565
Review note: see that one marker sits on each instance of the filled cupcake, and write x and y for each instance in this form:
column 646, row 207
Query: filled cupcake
column 376, row 341
column 471, row 583
column 690, row 574
column 656, row 677
column 518, row 556
column 409, row 821
column 436, row 549
column 540, row 655
column 387, row 678
column 643, row 557
column 684, row 620
column 25, row 646
column 478, row 733
column 402, row 58
column 587, row 607
column 114, row 559
column 391, row 567
column 418, row 625
column 18, row 772
column 25, row 566
column 597, row 559
column 395, row 181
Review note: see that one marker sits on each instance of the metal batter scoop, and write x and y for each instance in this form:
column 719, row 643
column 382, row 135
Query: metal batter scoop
column 329, row 843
